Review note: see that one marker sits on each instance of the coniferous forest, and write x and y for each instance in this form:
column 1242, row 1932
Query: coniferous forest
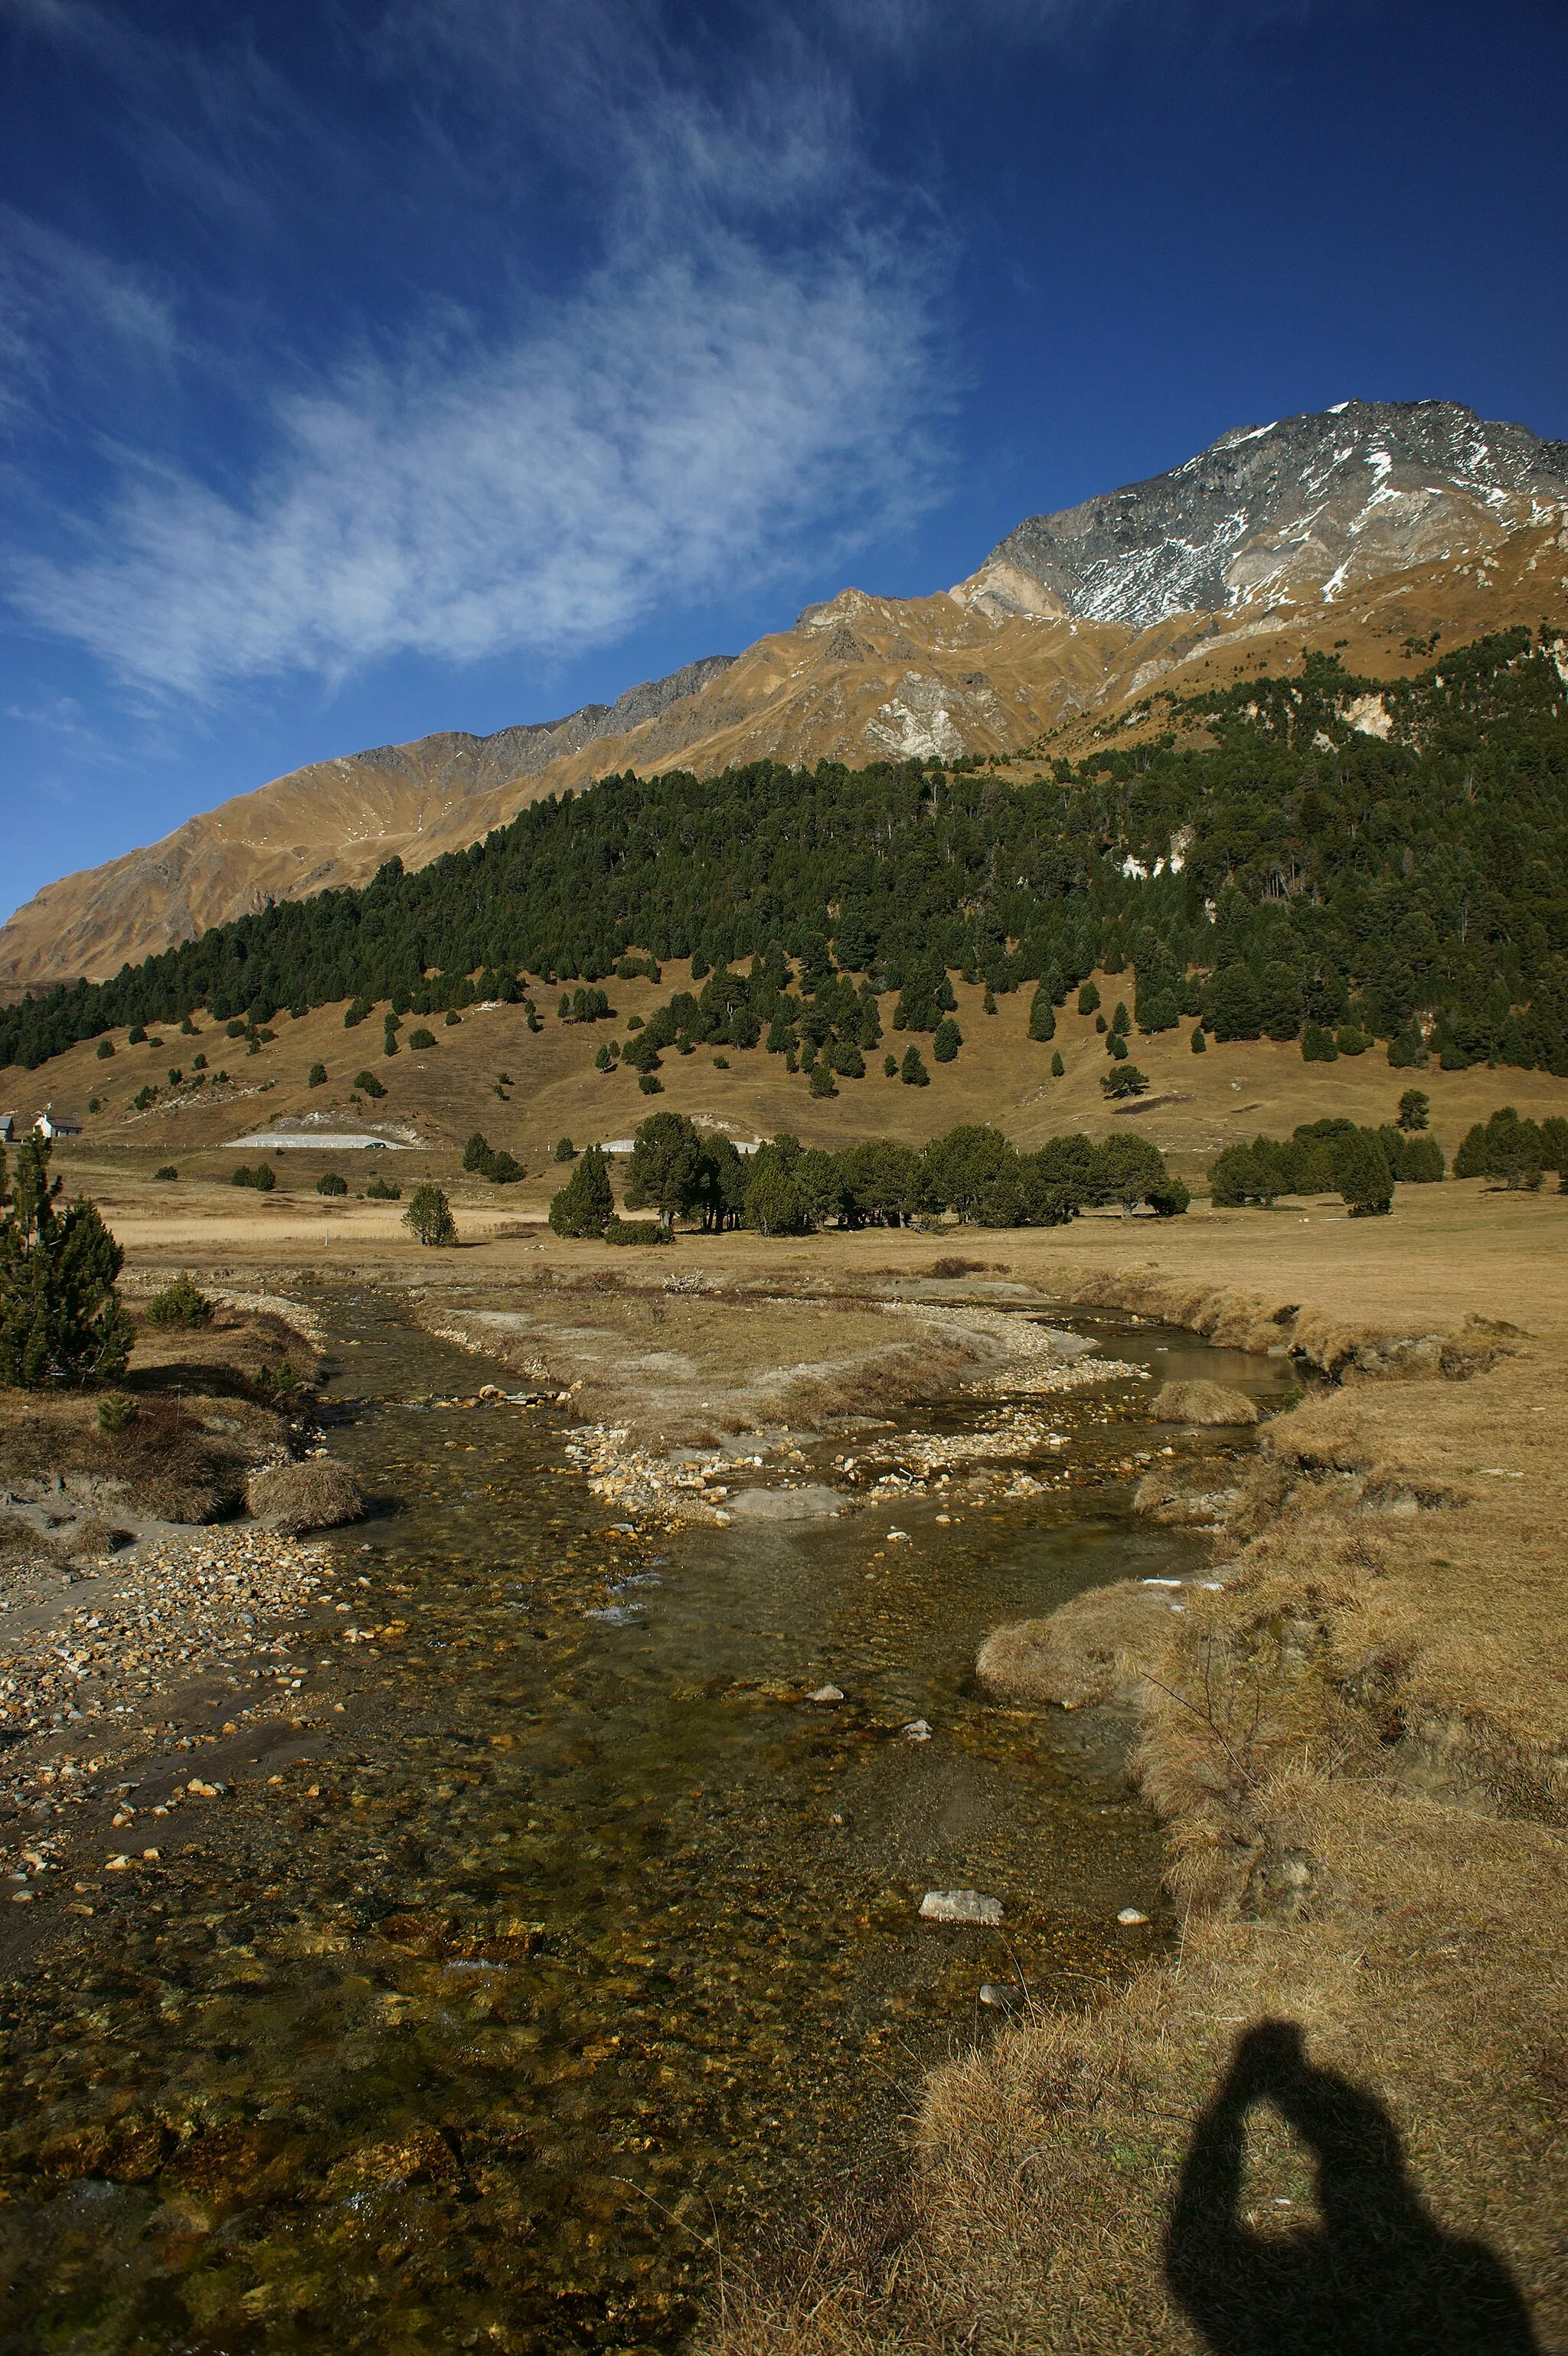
column 1263, row 865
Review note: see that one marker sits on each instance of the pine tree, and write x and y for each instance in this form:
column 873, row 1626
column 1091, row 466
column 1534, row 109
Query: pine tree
column 585, row 1204
column 912, row 1071
column 772, row 1204
column 428, row 1216
column 1362, row 1175
column 947, row 1041
column 60, row 1317
column 666, row 1174
column 1041, row 1013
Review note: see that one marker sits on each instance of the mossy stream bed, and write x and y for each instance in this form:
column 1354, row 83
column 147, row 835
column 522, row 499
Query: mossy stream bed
column 579, row 1947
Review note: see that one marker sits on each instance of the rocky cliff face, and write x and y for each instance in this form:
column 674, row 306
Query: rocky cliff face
column 1352, row 530
column 1329, row 500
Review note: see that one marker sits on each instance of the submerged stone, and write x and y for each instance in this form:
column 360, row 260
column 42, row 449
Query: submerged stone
column 960, row 1906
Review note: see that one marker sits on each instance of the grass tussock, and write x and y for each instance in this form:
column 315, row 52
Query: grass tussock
column 1097, row 1648
column 315, row 1495
column 1202, row 1402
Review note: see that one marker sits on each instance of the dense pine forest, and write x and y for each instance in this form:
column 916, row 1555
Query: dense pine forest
column 1263, row 865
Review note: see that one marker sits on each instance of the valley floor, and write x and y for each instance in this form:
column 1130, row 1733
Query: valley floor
column 1356, row 1743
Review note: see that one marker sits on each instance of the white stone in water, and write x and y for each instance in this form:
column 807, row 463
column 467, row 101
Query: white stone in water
column 959, row 1906
column 1130, row 1918
column 917, row 1731
column 826, row 1694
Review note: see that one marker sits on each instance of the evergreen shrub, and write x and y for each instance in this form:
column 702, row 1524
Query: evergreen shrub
column 181, row 1304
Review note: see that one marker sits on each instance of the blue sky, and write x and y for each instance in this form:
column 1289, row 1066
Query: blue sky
column 373, row 367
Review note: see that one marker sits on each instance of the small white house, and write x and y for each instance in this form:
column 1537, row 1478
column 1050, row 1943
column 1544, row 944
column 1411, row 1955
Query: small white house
column 58, row 1124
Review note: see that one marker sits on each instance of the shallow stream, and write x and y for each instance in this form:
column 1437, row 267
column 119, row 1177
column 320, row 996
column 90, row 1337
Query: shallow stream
column 585, row 1946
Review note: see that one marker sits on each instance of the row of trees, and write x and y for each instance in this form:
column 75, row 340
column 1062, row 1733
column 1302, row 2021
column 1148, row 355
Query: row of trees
column 1326, row 1157
column 785, row 1188
column 1364, row 1165
column 1515, row 1152
column 1288, row 872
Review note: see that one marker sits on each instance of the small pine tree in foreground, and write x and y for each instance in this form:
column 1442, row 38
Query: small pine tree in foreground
column 60, row 1317
column 428, row 1217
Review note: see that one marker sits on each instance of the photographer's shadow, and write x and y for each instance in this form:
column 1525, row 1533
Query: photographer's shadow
column 1378, row 2277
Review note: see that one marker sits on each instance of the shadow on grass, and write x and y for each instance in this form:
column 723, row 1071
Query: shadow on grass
column 1378, row 2277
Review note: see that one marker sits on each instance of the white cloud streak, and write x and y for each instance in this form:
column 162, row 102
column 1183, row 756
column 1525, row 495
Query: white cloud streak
column 675, row 430
column 733, row 389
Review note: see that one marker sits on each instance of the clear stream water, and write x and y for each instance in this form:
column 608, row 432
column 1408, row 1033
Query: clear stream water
column 595, row 1949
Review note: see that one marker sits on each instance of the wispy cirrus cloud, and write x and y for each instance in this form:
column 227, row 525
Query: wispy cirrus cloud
column 739, row 376
column 680, row 425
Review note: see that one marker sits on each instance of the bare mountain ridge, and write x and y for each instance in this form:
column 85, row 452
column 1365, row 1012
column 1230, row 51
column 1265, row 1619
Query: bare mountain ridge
column 1350, row 529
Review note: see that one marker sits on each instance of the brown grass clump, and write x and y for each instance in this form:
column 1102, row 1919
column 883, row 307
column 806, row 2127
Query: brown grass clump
column 21, row 1542
column 166, row 1463
column 1096, row 1648
column 315, row 1496
column 1202, row 1402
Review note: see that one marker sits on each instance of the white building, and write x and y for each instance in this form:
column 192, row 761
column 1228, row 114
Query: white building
column 58, row 1124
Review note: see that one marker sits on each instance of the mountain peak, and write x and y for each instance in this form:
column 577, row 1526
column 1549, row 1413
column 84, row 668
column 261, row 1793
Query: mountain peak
column 1268, row 514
